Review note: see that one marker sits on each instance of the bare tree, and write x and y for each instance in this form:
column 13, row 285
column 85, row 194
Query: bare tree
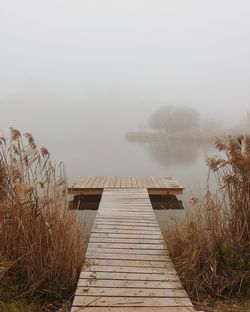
column 170, row 119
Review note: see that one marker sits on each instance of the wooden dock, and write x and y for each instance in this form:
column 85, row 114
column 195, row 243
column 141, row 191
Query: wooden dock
column 127, row 265
column 162, row 185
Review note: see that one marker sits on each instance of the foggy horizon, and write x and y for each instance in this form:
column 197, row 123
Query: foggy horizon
column 79, row 75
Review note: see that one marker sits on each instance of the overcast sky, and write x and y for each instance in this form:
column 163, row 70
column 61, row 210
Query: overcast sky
column 70, row 67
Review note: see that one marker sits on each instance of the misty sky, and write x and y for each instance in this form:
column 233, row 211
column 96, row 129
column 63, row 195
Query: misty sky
column 73, row 70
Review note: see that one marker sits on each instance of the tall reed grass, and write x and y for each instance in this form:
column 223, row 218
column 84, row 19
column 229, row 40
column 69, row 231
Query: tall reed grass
column 41, row 245
column 211, row 249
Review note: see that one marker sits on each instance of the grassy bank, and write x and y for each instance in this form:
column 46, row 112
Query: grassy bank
column 41, row 250
column 211, row 249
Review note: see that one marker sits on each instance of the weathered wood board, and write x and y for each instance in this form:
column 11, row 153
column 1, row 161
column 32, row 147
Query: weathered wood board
column 156, row 185
column 127, row 266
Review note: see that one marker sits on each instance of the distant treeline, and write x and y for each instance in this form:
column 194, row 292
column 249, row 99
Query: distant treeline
column 183, row 123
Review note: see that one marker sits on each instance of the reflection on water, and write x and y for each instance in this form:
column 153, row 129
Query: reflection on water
column 170, row 151
column 87, row 217
column 163, row 217
column 181, row 158
column 174, row 153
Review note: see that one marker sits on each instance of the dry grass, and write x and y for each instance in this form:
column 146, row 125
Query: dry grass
column 41, row 244
column 211, row 249
column 236, row 305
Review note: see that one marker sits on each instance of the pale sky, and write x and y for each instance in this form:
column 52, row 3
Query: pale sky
column 76, row 68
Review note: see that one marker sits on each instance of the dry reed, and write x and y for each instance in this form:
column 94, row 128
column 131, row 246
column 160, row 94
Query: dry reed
column 41, row 244
column 211, row 249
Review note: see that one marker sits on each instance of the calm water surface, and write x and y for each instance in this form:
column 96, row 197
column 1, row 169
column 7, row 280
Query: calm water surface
column 114, row 155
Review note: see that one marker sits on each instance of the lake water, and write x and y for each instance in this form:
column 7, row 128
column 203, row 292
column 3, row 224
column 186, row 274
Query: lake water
column 114, row 155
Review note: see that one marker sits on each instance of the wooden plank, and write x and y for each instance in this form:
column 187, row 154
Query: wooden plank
column 123, row 182
column 125, row 211
column 145, row 221
column 133, row 202
column 129, row 223
column 80, row 181
column 128, row 235
column 127, row 253
column 132, row 309
column 131, row 292
column 125, row 240
column 94, row 254
column 134, row 199
column 107, row 182
column 134, row 182
column 138, row 192
column 164, row 191
column 120, row 220
column 130, row 276
column 164, row 182
column 118, row 182
column 126, row 207
column 145, row 182
column 91, row 182
column 124, row 269
column 125, row 216
column 149, row 182
column 128, row 210
column 128, row 182
column 148, row 215
column 102, row 182
column 133, row 210
column 154, row 182
column 129, row 284
column 122, row 231
column 128, row 213
column 113, row 182
column 133, row 263
column 85, row 182
column 123, row 248
column 137, row 251
column 129, row 200
column 85, row 191
column 130, row 301
column 126, row 227
column 106, row 212
column 96, row 182
column 126, row 246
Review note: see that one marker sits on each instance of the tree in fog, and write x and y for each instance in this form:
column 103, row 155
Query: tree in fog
column 170, row 119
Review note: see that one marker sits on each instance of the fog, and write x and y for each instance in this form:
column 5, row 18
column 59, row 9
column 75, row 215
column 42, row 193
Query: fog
column 78, row 74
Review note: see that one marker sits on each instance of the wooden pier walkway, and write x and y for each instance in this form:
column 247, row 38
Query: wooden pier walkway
column 127, row 266
column 155, row 185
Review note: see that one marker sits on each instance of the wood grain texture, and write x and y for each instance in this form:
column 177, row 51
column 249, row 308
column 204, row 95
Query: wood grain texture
column 127, row 265
column 133, row 309
column 161, row 183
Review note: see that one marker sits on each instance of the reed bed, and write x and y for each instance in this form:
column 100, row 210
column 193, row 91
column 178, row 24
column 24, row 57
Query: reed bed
column 211, row 249
column 42, row 246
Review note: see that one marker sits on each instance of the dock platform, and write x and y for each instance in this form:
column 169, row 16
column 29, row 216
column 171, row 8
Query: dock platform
column 127, row 265
column 160, row 185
